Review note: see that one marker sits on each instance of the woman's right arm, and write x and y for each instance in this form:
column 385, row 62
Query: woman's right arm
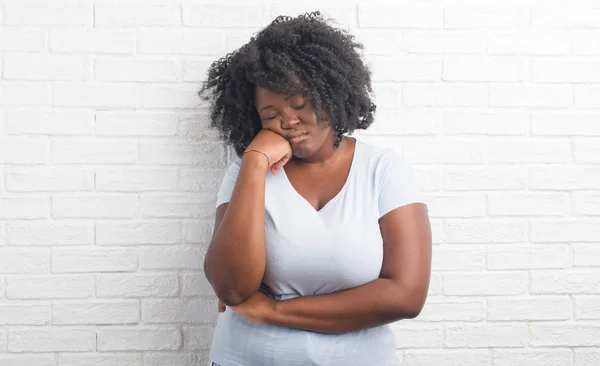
column 235, row 261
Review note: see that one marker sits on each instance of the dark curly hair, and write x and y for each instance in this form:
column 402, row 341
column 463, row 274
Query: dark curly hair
column 302, row 55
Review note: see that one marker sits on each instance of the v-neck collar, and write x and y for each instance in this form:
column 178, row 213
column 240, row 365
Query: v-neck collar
column 338, row 194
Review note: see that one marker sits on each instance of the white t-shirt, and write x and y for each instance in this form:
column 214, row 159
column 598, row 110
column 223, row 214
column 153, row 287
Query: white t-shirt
column 310, row 252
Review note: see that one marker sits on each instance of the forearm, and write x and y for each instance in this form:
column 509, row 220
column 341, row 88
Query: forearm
column 235, row 260
column 376, row 303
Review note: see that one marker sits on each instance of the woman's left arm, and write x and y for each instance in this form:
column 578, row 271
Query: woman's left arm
column 399, row 293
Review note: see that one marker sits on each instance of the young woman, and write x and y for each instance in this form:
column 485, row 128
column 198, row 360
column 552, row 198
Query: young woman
column 320, row 240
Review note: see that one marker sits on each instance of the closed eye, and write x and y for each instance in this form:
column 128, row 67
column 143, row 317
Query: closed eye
column 300, row 107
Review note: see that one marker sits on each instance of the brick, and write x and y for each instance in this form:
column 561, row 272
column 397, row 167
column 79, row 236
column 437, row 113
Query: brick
column 586, row 96
column 33, row 121
column 486, row 336
column 586, row 255
column 45, row 67
column 101, row 312
column 527, row 150
column 528, row 42
column 24, row 208
column 547, row 95
column 448, row 150
column 48, row 14
column 96, row 206
column 553, row 124
column 561, row 16
column 141, row 70
column 563, row 177
column 380, row 42
column 3, row 341
column 528, row 257
column 565, row 230
column 171, row 257
column 49, row 233
column 24, row 314
column 531, row 204
column 587, row 307
column 389, row 95
column 561, row 357
column 206, row 155
column 177, row 205
column 586, row 42
column 587, row 151
column 488, row 16
column 24, row 260
column 564, row 335
column 485, row 231
column 138, row 339
column 406, row 121
column 418, row 335
column 136, row 123
column 529, row 308
column 137, row 232
column 447, row 358
column 232, row 15
column 484, row 68
column 67, row 260
column 437, row 310
column 179, row 311
column 21, row 93
column 196, row 70
column 197, row 337
column 197, row 232
column 24, row 150
column 22, row 40
column 435, row 284
column 49, row 287
column 194, row 179
column 170, row 96
column 485, row 123
column 377, row 16
column 485, row 284
column 565, row 282
column 587, row 356
column 559, row 70
column 179, row 359
column 131, row 15
column 196, row 127
column 484, row 178
column 444, row 42
column 458, row 258
column 29, row 360
column 90, row 40
column 456, row 206
column 97, row 95
column 133, row 179
column 100, row 359
column 430, row 178
column 445, row 95
column 51, row 340
column 181, row 41
column 195, row 284
column 134, row 285
column 411, row 68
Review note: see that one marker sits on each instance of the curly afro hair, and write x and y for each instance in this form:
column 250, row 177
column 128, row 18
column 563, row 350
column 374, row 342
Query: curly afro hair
column 302, row 56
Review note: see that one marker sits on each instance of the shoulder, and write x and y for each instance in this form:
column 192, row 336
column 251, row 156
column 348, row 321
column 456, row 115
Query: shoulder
column 379, row 160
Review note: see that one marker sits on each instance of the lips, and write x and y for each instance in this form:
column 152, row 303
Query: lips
column 297, row 137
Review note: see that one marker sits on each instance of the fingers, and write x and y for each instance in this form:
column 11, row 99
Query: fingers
column 222, row 307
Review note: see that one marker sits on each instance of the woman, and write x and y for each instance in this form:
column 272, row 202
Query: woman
column 320, row 240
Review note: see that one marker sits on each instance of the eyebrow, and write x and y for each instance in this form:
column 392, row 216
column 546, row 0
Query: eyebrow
column 270, row 106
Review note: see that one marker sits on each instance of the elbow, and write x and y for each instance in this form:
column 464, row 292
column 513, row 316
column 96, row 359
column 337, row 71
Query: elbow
column 229, row 291
column 411, row 306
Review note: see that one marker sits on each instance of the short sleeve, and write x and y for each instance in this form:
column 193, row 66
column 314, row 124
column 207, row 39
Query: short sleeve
column 228, row 182
column 398, row 183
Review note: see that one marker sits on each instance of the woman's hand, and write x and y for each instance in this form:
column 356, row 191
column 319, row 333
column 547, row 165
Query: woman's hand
column 258, row 308
column 277, row 148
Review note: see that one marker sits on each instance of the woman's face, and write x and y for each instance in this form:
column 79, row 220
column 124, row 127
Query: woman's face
column 293, row 117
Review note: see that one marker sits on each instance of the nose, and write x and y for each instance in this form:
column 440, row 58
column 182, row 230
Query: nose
column 289, row 120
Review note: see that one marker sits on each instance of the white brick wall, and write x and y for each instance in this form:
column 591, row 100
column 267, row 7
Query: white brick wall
column 108, row 174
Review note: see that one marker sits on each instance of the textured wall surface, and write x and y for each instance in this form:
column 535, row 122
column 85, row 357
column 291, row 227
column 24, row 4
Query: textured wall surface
column 108, row 174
